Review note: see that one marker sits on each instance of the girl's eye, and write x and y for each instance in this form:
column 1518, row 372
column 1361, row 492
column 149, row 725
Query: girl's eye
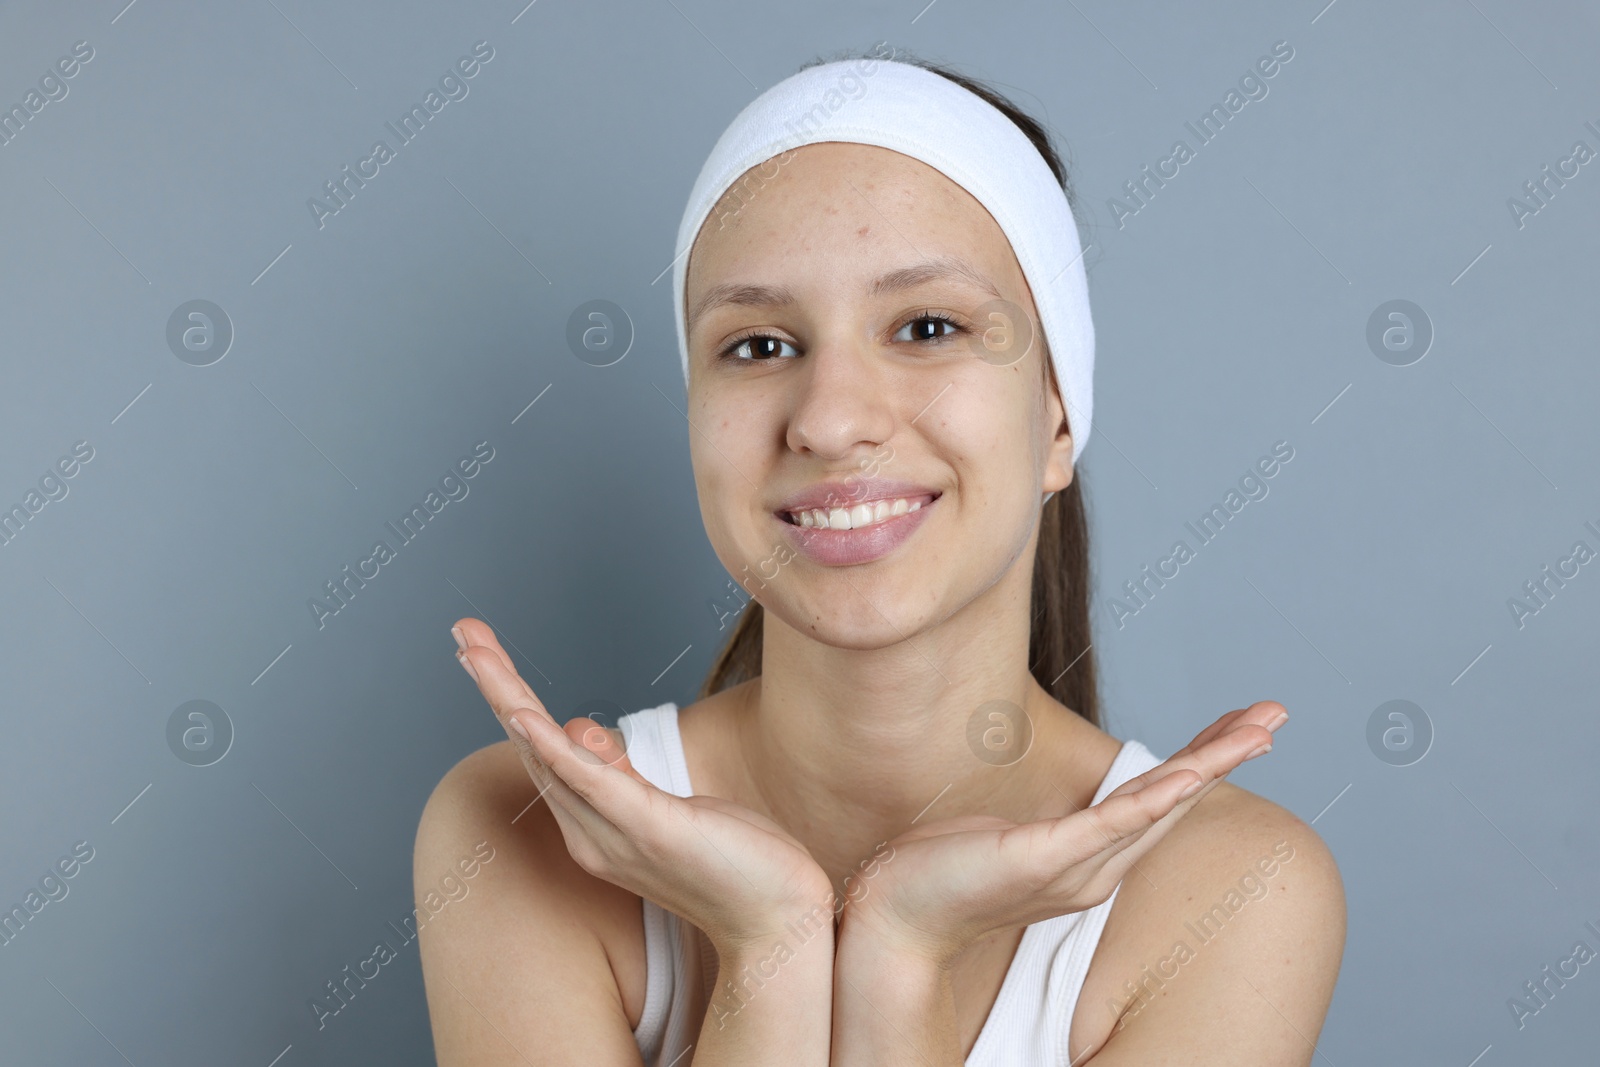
column 761, row 346
column 928, row 326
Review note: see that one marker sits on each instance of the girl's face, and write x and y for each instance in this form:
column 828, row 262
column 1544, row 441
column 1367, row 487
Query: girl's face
column 860, row 331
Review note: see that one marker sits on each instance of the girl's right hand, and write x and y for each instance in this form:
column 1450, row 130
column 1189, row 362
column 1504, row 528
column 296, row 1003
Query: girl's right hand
column 733, row 873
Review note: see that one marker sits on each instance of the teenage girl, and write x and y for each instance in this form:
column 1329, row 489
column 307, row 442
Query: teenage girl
column 891, row 830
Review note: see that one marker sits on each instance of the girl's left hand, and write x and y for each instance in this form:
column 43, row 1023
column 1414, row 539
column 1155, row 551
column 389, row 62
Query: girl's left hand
column 946, row 884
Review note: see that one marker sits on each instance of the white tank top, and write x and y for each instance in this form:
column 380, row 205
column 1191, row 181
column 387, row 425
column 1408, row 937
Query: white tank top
column 1032, row 1014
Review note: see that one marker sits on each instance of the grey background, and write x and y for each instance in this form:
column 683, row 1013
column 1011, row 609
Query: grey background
column 427, row 314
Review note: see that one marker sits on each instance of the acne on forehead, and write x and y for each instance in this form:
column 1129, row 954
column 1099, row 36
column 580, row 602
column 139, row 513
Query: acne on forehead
column 871, row 170
column 885, row 178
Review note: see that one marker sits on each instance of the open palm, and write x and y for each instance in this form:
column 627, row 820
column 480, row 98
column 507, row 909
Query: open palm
column 947, row 883
column 735, row 874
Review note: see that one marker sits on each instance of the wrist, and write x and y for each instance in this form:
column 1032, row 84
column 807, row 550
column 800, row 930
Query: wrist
column 897, row 980
column 797, row 964
column 771, row 992
column 780, row 934
column 872, row 943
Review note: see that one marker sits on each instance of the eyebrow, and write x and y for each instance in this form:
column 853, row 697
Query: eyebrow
column 943, row 268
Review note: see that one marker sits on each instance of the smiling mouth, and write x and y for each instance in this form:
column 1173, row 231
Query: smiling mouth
column 857, row 516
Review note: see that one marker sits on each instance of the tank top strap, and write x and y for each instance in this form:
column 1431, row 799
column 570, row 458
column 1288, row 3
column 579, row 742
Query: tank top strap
column 676, row 953
column 1071, row 966
column 650, row 737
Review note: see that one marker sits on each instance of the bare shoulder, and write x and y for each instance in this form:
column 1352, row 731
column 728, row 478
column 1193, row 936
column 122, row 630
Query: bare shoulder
column 1225, row 941
column 529, row 935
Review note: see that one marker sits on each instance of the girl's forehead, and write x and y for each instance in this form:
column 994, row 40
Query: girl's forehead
column 831, row 196
column 839, row 172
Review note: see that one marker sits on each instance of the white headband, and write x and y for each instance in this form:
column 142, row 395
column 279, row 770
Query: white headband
column 928, row 117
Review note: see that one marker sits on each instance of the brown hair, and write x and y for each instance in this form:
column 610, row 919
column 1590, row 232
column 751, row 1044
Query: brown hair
column 1060, row 643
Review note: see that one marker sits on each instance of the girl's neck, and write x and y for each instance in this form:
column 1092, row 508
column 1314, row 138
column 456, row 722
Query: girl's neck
column 846, row 748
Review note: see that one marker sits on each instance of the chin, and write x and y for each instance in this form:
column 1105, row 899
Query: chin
column 848, row 609
column 862, row 630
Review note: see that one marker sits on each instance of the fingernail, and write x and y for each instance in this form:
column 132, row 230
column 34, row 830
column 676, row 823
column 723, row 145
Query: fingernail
column 461, row 641
column 1263, row 749
column 522, row 731
column 461, row 658
column 1190, row 790
column 1283, row 717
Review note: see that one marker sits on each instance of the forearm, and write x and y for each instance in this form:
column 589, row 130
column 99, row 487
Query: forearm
column 891, row 1008
column 772, row 1003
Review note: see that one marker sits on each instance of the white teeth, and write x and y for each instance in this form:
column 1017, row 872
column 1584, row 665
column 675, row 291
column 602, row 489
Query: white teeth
column 854, row 518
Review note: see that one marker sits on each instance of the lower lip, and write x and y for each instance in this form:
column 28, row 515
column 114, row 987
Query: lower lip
column 841, row 548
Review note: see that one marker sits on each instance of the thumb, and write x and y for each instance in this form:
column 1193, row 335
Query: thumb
column 600, row 742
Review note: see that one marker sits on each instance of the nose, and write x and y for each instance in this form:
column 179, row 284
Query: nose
column 845, row 402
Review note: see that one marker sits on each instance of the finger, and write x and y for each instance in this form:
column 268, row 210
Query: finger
column 554, row 753
column 551, row 788
column 541, row 744
column 476, row 634
column 1204, row 791
column 1119, row 826
column 1174, row 797
column 1267, row 713
column 581, row 827
column 1222, row 724
column 1123, row 816
column 614, row 799
column 601, row 741
column 500, row 686
column 1230, row 746
column 564, row 804
column 1081, row 845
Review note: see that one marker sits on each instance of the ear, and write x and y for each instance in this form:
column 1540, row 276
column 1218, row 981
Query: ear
column 1058, row 468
